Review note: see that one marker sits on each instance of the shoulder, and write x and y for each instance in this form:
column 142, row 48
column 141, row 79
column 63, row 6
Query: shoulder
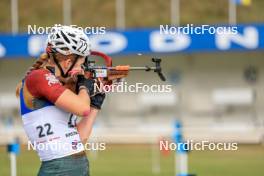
column 43, row 83
column 36, row 75
column 41, row 76
column 38, row 72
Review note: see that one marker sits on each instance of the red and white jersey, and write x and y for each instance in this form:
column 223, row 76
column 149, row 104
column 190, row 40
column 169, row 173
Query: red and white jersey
column 51, row 130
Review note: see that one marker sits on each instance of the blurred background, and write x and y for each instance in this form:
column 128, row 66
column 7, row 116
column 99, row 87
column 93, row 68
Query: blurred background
column 217, row 82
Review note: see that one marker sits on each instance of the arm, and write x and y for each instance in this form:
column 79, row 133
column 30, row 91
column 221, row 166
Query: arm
column 85, row 126
column 76, row 104
column 43, row 84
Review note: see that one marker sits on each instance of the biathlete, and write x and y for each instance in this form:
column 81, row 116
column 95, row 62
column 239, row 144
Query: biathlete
column 50, row 103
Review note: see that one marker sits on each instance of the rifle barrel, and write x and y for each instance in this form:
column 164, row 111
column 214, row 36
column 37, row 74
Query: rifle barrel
column 136, row 68
column 129, row 68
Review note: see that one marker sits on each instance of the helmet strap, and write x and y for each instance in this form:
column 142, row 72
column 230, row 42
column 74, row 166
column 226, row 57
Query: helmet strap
column 51, row 69
column 64, row 75
column 71, row 67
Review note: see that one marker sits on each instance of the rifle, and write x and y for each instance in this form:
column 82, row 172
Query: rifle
column 108, row 72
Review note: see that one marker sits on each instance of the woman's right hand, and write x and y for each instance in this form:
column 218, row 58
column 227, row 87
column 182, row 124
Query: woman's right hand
column 85, row 83
column 97, row 98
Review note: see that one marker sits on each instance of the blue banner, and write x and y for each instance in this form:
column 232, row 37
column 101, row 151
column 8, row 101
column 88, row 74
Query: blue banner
column 165, row 39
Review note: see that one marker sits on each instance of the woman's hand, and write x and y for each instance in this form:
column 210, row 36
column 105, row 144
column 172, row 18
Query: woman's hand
column 97, row 100
column 82, row 82
column 70, row 82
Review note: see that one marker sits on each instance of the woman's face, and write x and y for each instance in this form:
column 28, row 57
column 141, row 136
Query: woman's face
column 67, row 61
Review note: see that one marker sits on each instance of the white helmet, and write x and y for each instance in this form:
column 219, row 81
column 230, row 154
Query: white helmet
column 69, row 40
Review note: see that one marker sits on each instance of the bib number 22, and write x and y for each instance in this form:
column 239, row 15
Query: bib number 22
column 44, row 130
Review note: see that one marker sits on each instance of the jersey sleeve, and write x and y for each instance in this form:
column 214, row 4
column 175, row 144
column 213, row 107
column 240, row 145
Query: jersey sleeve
column 43, row 84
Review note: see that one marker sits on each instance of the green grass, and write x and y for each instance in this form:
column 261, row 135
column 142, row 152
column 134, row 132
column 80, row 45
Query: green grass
column 131, row 160
column 139, row 13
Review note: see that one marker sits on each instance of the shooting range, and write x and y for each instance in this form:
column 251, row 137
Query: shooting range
column 179, row 85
